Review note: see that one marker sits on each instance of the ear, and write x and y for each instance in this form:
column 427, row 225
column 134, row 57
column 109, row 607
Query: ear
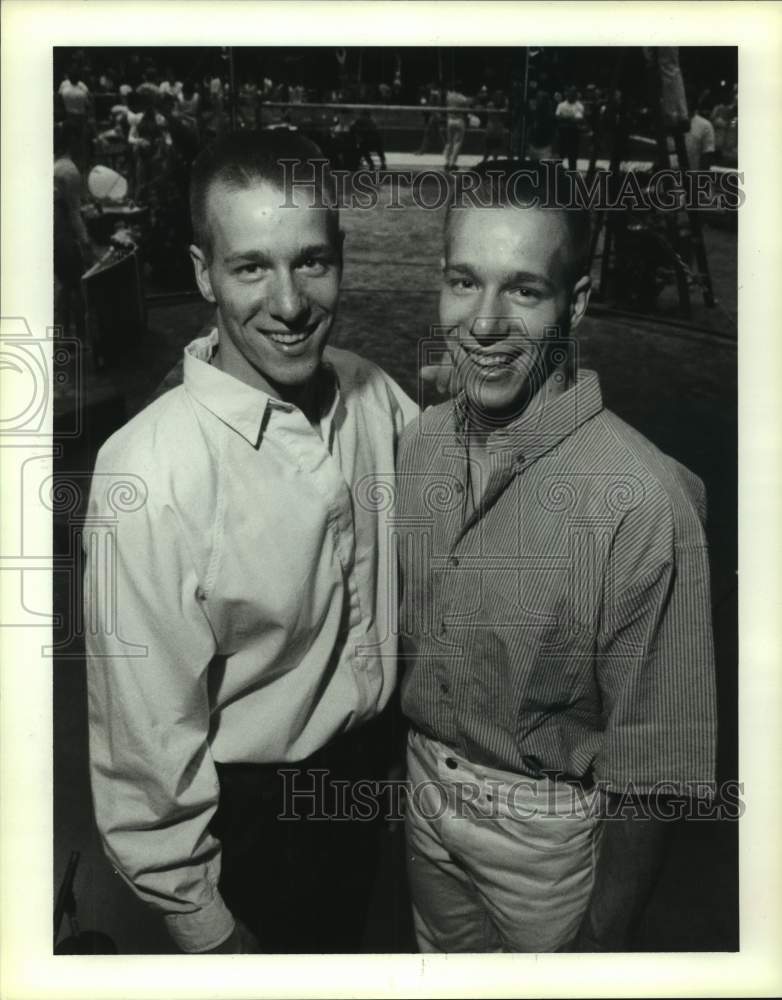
column 201, row 269
column 579, row 300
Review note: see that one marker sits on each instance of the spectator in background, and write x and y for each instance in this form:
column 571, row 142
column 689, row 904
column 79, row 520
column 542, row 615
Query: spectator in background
column 169, row 85
column 189, row 107
column 570, row 118
column 72, row 248
column 494, row 139
column 75, row 94
column 106, row 84
column 482, row 100
column 700, row 140
column 77, row 105
column 541, row 122
column 149, row 89
column 724, row 118
column 368, row 139
column 455, row 125
column 247, row 103
column 432, row 138
column 151, row 142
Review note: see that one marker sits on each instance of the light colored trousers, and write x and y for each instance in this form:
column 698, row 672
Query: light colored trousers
column 496, row 861
column 454, row 137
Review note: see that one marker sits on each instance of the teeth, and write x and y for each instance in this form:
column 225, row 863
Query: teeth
column 493, row 362
column 288, row 338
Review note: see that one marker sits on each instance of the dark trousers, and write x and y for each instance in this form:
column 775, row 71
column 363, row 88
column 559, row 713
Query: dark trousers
column 303, row 883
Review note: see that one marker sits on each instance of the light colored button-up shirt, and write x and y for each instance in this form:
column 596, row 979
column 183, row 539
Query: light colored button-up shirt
column 239, row 589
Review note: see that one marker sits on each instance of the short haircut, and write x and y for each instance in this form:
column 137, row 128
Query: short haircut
column 527, row 184
column 241, row 160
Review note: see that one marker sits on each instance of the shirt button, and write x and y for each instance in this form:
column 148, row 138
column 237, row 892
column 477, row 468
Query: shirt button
column 441, row 629
column 444, row 688
column 454, row 560
column 450, row 762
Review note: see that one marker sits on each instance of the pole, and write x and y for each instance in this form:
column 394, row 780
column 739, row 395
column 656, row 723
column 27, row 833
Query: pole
column 524, row 104
column 232, row 84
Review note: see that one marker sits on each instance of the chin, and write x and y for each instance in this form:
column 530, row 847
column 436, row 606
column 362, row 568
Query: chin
column 500, row 403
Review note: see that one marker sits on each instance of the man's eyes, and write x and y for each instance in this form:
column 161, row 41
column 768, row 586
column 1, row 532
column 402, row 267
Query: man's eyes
column 461, row 284
column 313, row 266
column 248, row 270
column 467, row 285
column 523, row 292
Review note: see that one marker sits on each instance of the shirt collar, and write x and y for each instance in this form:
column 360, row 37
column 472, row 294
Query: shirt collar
column 240, row 406
column 544, row 425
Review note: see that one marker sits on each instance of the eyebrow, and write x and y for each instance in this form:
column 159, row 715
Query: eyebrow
column 512, row 278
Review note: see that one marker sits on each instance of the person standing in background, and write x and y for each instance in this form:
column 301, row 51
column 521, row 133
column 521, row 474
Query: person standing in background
column 455, row 125
column 570, row 118
column 72, row 246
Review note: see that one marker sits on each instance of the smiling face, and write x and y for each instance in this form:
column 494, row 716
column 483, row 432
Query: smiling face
column 507, row 284
column 274, row 274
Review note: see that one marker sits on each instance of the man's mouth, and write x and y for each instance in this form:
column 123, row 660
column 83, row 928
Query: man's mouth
column 289, row 339
column 291, row 342
column 491, row 360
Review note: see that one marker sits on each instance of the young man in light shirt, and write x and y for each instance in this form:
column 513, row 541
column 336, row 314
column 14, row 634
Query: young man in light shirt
column 556, row 620
column 253, row 589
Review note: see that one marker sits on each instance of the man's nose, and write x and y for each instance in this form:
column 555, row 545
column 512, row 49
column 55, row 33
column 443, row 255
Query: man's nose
column 287, row 302
column 492, row 324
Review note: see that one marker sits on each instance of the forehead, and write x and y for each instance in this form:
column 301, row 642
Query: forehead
column 262, row 216
column 508, row 235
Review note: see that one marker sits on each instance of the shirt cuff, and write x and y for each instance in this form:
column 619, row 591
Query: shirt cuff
column 204, row 929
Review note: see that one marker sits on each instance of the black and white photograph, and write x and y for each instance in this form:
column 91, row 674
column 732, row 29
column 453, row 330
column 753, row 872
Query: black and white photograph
column 376, row 519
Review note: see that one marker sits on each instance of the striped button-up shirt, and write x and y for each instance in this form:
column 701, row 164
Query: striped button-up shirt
column 238, row 588
column 564, row 625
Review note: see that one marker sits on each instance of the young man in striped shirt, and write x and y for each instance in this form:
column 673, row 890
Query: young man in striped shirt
column 556, row 615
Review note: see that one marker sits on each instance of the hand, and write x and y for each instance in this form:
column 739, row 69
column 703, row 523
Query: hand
column 241, row 942
column 441, row 377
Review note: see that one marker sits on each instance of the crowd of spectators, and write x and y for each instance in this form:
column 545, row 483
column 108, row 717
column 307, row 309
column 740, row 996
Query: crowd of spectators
column 148, row 124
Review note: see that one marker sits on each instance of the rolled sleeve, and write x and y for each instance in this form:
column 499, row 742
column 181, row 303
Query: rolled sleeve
column 149, row 646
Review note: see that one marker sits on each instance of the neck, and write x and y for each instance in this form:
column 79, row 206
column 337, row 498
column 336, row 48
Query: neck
column 480, row 426
column 306, row 397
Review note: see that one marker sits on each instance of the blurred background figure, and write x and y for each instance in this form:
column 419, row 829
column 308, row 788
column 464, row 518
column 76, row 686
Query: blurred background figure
column 72, row 248
column 169, row 85
column 150, row 140
column 494, row 139
column 570, row 119
column 247, row 104
column 542, row 122
column 455, row 125
column 724, row 118
column 432, row 139
column 76, row 102
column 189, row 108
column 700, row 140
column 369, row 139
